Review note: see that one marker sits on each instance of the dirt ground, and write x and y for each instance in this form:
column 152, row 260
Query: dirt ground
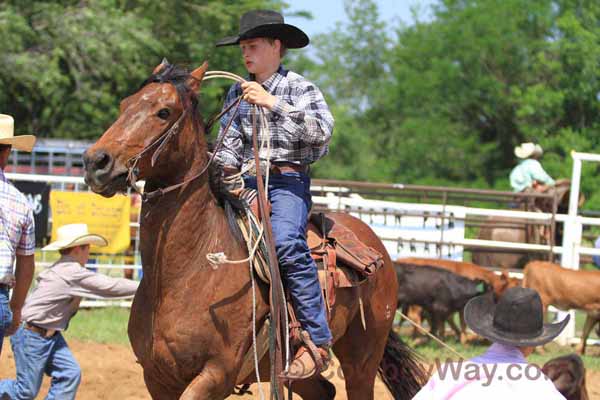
column 110, row 372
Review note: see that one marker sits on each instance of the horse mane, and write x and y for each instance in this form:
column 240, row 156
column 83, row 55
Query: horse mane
column 178, row 77
column 175, row 75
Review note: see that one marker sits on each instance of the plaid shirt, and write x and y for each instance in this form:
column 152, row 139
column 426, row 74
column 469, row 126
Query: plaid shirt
column 300, row 123
column 17, row 232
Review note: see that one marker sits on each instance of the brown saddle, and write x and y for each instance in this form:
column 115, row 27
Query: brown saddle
column 333, row 246
column 342, row 260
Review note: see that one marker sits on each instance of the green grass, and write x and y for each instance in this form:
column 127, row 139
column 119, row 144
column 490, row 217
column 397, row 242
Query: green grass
column 107, row 325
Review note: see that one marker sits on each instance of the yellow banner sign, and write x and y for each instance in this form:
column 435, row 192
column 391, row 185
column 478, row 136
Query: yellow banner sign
column 108, row 217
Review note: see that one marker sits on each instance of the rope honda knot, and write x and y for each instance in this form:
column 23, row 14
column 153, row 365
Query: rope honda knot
column 216, row 259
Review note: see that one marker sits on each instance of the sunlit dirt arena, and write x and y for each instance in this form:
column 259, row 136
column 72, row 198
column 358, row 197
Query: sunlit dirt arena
column 110, row 372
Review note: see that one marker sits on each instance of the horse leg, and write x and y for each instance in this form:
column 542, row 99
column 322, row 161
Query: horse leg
column 359, row 353
column 208, row 385
column 157, row 389
column 317, row 388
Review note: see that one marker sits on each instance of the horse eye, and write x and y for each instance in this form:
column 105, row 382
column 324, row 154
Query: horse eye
column 164, row 113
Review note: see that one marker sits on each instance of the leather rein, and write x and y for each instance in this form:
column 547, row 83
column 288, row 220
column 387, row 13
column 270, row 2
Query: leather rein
column 160, row 144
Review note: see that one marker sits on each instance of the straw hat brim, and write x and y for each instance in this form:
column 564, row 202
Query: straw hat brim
column 479, row 316
column 91, row 238
column 528, row 151
column 21, row 142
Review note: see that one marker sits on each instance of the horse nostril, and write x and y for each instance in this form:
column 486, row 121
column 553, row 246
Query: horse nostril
column 102, row 160
column 99, row 161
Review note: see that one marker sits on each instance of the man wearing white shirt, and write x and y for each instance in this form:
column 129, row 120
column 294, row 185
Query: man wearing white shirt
column 515, row 326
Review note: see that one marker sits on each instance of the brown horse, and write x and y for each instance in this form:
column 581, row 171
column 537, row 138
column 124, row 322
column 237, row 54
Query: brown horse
column 191, row 325
column 511, row 231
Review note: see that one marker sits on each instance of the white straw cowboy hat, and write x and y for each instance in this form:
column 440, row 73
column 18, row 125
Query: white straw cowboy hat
column 74, row 235
column 526, row 150
column 7, row 135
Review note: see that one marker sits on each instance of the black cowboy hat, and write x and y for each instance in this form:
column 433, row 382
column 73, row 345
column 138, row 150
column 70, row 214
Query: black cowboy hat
column 516, row 320
column 266, row 23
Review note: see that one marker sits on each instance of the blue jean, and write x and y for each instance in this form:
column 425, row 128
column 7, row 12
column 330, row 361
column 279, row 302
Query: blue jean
column 290, row 199
column 5, row 314
column 36, row 355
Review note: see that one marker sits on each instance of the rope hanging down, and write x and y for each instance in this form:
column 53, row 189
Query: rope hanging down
column 276, row 296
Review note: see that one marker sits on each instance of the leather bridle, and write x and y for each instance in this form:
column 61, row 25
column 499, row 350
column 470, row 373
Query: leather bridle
column 160, row 144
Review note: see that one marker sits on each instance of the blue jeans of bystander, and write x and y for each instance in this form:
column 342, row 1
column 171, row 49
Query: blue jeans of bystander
column 36, row 355
column 5, row 314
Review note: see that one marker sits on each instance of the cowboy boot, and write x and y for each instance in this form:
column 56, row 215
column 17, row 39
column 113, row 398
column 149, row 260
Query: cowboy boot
column 308, row 363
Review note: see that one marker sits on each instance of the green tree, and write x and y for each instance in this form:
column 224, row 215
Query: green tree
column 67, row 64
column 446, row 100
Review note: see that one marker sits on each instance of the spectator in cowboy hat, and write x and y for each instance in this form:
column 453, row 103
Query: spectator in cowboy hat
column 17, row 234
column 300, row 126
column 38, row 345
column 529, row 174
column 515, row 326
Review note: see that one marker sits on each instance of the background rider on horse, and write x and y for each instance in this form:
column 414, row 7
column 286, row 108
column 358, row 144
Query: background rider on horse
column 529, row 173
column 300, row 126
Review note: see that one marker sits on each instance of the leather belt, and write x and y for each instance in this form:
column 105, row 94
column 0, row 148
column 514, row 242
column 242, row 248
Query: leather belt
column 284, row 167
column 47, row 333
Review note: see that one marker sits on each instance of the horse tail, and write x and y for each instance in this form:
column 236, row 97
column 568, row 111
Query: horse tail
column 400, row 369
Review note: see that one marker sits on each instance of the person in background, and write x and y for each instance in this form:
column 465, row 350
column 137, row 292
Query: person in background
column 17, row 234
column 38, row 345
column 529, row 173
column 515, row 327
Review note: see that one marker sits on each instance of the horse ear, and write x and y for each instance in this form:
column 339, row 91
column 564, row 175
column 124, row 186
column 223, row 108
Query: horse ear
column 160, row 66
column 196, row 76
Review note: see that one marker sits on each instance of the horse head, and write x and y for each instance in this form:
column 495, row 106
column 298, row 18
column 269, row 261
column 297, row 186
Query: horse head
column 161, row 113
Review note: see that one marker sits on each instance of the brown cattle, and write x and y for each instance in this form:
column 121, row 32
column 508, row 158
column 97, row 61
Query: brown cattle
column 440, row 292
column 566, row 289
column 499, row 283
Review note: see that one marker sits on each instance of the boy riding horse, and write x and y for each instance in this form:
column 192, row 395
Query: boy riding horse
column 300, row 126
